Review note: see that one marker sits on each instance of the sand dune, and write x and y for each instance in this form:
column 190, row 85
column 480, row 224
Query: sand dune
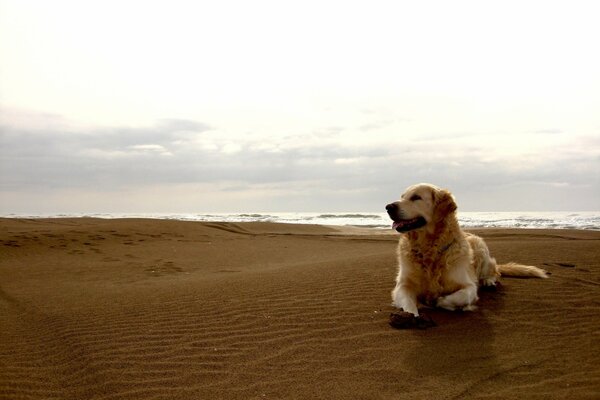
column 154, row 309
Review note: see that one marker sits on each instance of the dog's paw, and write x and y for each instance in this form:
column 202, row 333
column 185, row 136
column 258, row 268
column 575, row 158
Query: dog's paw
column 403, row 307
column 446, row 304
column 443, row 302
column 490, row 285
column 488, row 282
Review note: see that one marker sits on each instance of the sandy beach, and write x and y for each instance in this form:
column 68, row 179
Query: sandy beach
column 158, row 309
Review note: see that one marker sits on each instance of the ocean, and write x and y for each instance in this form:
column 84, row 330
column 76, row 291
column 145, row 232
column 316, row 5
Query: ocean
column 542, row 220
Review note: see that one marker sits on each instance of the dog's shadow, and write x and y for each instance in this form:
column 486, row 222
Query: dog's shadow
column 462, row 342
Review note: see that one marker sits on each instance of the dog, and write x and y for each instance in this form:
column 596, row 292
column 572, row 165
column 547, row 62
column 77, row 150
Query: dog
column 439, row 265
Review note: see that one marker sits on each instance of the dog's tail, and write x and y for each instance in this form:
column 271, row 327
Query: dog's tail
column 519, row 270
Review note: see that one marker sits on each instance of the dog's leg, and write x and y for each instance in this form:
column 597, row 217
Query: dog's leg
column 404, row 297
column 488, row 275
column 464, row 299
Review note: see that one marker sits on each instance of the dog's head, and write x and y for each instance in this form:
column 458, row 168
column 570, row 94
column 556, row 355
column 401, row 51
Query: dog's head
column 421, row 205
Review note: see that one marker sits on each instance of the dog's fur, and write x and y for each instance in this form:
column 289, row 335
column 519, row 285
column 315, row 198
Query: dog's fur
column 439, row 264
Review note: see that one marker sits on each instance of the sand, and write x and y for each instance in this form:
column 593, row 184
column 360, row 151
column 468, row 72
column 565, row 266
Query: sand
column 156, row 309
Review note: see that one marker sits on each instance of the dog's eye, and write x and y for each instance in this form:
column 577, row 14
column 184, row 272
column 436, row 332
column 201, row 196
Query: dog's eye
column 415, row 197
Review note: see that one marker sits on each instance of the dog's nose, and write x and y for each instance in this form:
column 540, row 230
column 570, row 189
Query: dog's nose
column 391, row 207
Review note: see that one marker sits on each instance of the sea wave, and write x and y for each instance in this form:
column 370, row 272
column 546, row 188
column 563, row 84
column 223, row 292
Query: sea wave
column 542, row 220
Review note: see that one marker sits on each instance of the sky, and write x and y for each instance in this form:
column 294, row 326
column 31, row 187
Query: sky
column 256, row 106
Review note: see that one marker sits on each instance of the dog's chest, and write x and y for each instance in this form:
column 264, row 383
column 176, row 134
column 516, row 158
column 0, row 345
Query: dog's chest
column 431, row 286
column 431, row 275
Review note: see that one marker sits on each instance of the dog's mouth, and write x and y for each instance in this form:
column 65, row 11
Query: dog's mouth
column 405, row 225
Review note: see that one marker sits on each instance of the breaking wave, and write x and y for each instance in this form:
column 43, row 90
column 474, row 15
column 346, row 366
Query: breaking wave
column 548, row 220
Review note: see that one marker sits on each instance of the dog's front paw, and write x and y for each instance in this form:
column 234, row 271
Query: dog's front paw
column 443, row 302
column 446, row 304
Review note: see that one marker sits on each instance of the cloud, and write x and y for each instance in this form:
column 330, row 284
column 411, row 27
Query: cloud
column 182, row 125
column 375, row 126
column 291, row 173
column 549, row 131
column 231, row 148
column 17, row 119
column 151, row 148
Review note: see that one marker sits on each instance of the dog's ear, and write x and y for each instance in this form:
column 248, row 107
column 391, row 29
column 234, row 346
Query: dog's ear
column 444, row 204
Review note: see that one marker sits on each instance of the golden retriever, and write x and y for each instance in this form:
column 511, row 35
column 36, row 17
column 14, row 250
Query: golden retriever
column 439, row 265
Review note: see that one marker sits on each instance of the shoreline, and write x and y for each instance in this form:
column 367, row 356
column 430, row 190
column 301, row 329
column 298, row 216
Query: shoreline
column 585, row 220
column 141, row 308
column 350, row 227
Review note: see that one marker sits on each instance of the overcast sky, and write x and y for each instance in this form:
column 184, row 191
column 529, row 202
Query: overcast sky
column 250, row 106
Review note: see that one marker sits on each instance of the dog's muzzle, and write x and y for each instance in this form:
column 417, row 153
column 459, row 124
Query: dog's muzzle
column 401, row 224
column 393, row 211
